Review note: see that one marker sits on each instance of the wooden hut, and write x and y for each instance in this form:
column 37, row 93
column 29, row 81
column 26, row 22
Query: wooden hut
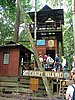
column 12, row 57
column 48, row 30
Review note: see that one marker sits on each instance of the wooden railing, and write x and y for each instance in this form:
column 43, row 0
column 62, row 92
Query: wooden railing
column 47, row 26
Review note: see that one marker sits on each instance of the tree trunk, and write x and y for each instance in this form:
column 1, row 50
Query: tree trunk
column 17, row 23
column 73, row 19
column 44, row 78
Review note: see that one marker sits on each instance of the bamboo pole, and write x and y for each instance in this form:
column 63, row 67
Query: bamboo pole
column 35, row 19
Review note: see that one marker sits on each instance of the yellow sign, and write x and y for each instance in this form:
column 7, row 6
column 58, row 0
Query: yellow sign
column 63, row 83
column 51, row 43
column 34, row 84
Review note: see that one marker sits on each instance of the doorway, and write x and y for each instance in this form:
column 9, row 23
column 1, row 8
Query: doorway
column 51, row 52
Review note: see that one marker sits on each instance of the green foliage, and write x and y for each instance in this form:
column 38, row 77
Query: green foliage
column 6, row 20
column 8, row 6
column 54, row 3
column 5, row 30
column 26, row 5
column 24, row 39
column 68, row 33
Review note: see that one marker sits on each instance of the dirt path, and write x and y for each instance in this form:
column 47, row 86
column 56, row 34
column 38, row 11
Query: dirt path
column 4, row 98
column 23, row 97
column 12, row 97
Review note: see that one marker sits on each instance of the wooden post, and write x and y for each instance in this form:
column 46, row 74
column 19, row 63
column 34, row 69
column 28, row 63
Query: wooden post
column 35, row 19
column 62, row 47
column 57, row 86
column 52, row 87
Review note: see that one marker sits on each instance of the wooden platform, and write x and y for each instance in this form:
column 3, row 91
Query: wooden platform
column 22, row 84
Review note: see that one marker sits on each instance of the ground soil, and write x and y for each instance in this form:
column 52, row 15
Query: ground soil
column 23, row 97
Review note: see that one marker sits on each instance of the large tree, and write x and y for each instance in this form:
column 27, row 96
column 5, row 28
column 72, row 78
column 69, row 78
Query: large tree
column 7, row 10
column 17, row 21
column 73, row 17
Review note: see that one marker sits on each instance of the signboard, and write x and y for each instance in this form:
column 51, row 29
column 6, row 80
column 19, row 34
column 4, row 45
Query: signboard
column 66, row 75
column 45, row 73
column 63, row 83
column 34, row 84
column 40, row 43
column 51, row 43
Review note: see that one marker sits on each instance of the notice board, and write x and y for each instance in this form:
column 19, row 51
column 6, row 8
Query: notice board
column 34, row 84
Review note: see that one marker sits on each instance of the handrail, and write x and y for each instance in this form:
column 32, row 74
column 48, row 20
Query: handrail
column 45, row 26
